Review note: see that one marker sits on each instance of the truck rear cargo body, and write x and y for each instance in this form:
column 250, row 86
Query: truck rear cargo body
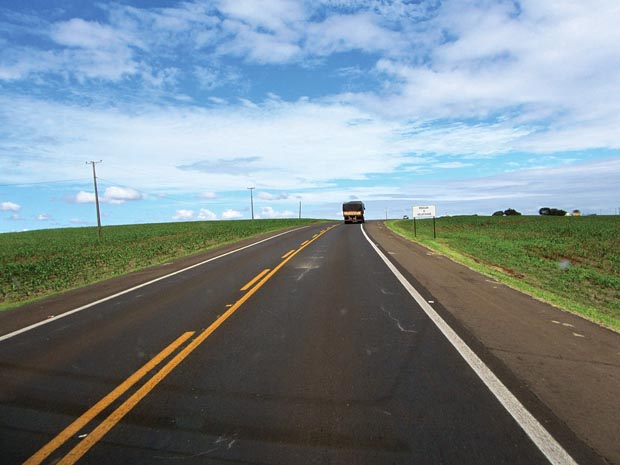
column 353, row 212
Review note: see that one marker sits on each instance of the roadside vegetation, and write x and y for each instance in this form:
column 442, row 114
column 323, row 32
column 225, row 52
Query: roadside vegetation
column 39, row 263
column 570, row 262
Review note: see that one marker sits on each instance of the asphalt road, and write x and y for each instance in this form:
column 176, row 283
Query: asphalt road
column 325, row 358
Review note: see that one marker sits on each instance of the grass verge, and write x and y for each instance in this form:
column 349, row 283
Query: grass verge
column 570, row 262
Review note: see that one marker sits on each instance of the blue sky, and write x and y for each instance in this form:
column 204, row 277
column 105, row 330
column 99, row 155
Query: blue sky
column 474, row 106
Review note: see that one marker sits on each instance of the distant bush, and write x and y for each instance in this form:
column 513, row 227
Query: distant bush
column 546, row 211
column 511, row 212
column 498, row 213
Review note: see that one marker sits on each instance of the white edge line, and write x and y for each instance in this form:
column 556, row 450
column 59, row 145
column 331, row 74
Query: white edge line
column 554, row 452
column 126, row 291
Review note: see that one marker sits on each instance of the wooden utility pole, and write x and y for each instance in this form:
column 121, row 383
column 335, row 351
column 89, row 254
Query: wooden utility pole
column 96, row 195
column 252, row 200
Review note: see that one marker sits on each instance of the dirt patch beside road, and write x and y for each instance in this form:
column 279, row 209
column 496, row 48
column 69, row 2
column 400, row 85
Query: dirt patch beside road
column 550, row 357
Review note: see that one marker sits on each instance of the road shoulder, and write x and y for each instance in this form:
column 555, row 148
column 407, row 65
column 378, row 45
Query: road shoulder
column 570, row 365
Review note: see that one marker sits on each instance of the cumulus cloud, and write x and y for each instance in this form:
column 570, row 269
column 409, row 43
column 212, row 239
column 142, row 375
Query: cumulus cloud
column 231, row 214
column 184, row 215
column 83, row 197
column 44, row 217
column 270, row 212
column 119, row 195
column 190, row 215
column 10, row 207
column 113, row 195
column 205, row 214
column 528, row 62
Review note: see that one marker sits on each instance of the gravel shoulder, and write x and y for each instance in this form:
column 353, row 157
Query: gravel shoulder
column 560, row 365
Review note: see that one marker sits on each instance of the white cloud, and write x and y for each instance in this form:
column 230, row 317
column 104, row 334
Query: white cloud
column 284, row 145
column 360, row 31
column 10, row 207
column 269, row 212
column 205, row 214
column 456, row 59
column 264, row 32
column 87, row 34
column 190, row 215
column 208, row 195
column 84, row 197
column 271, row 15
column 118, row 195
column 113, row 195
column 44, row 217
column 231, row 214
column 88, row 50
column 529, row 64
column 268, row 196
column 184, row 215
column 257, row 46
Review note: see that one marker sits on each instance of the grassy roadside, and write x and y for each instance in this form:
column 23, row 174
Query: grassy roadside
column 570, row 262
column 37, row 264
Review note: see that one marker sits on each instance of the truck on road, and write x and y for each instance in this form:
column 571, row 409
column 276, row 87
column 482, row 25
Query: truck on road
column 353, row 212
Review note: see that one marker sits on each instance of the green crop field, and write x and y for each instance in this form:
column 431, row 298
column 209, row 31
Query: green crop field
column 571, row 262
column 39, row 263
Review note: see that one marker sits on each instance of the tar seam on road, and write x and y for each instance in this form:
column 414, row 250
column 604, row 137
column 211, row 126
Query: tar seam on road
column 546, row 443
column 117, row 415
column 126, row 291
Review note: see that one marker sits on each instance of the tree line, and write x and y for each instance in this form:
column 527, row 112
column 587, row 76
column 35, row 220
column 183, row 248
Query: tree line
column 544, row 211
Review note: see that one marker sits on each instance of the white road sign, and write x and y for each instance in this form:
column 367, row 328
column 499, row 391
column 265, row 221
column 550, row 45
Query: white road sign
column 427, row 211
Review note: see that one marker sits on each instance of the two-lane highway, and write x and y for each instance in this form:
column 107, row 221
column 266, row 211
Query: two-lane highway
column 302, row 349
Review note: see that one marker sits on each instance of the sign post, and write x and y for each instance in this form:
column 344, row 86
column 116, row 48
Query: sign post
column 426, row 211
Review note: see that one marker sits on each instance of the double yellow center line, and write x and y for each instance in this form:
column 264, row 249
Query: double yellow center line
column 113, row 418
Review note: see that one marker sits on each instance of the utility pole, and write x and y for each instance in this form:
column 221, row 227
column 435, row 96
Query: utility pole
column 96, row 195
column 300, row 209
column 252, row 200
